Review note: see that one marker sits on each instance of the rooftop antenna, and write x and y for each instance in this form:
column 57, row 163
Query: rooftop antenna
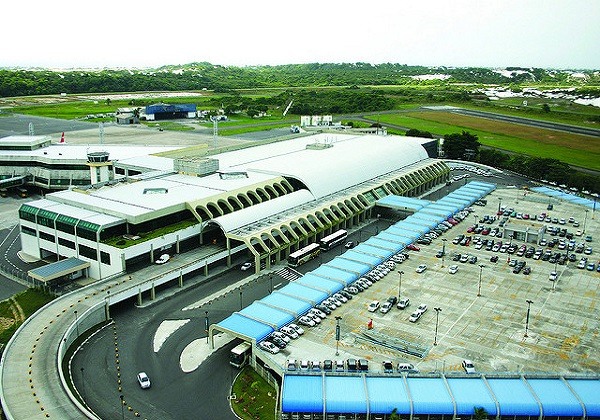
column 101, row 128
column 31, row 130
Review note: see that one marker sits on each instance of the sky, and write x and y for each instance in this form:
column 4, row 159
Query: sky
column 563, row 34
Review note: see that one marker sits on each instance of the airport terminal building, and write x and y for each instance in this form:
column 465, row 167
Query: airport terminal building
column 263, row 202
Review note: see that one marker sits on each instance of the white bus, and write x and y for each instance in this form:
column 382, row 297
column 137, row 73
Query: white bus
column 240, row 355
column 334, row 239
column 304, row 254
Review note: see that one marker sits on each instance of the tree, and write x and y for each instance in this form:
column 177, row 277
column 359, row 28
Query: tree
column 461, row 146
column 546, row 108
column 413, row 132
column 252, row 113
column 480, row 413
column 394, row 415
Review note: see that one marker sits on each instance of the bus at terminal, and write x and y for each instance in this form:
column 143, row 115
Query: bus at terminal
column 304, row 255
column 333, row 240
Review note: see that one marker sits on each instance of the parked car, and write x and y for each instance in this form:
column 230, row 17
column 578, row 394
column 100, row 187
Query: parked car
column 269, row 347
column 406, row 367
column 422, row 308
column 363, row 365
column 373, row 306
column 403, row 303
column 453, row 269
column 246, row 266
column 385, row 308
column 143, row 380
column 349, row 244
column 388, row 367
column 414, row 317
column 306, row 321
column 468, row 366
column 327, row 365
column 297, row 328
column 290, row 332
column 421, row 268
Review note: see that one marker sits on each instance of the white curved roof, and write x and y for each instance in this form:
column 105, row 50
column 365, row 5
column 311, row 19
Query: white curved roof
column 349, row 161
column 262, row 211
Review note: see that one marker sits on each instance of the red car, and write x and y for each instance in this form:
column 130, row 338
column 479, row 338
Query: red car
column 413, row 247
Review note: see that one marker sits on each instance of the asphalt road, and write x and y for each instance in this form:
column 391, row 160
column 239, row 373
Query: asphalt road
column 18, row 125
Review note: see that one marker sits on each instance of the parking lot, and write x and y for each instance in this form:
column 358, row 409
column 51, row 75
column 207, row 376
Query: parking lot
column 482, row 308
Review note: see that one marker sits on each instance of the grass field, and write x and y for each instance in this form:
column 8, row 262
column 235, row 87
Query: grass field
column 578, row 150
column 255, row 398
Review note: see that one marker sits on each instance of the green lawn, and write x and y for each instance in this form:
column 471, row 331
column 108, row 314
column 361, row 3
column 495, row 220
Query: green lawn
column 255, row 398
column 576, row 157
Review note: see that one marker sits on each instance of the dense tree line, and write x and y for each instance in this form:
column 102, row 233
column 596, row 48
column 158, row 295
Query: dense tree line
column 197, row 76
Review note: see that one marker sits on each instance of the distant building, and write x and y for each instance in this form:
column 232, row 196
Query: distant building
column 169, row 112
column 127, row 116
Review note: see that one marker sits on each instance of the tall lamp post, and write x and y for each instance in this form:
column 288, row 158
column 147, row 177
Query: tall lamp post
column 122, row 406
column 206, row 325
column 76, row 323
column 529, row 302
column 585, row 220
column 437, row 317
column 337, row 335
column 480, row 272
column 83, row 385
column 271, row 280
column 499, row 203
column 241, row 302
column 443, row 250
column 400, row 282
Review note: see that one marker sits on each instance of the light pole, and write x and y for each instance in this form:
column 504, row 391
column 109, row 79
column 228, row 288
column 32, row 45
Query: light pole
column 499, row 203
column 337, row 335
column 443, row 250
column 585, row 220
column 437, row 317
column 206, row 325
column 122, row 406
column 241, row 302
column 480, row 272
column 82, row 385
column 271, row 280
column 400, row 282
column 529, row 302
column 76, row 323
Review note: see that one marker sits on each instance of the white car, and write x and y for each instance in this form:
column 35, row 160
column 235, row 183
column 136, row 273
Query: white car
column 453, row 269
column 421, row 268
column 553, row 276
column 281, row 335
column 422, row 308
column 468, row 366
column 304, row 320
column 414, row 317
column 373, row 306
column 143, row 380
column 297, row 328
column 290, row 332
column 163, row 259
column 268, row 346
column 385, row 308
column 246, row 266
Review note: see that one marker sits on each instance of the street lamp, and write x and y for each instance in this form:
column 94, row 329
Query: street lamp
column 206, row 325
column 122, row 406
column 479, row 287
column 271, row 280
column 400, row 282
column 76, row 323
column 585, row 220
column 443, row 250
column 437, row 317
column 499, row 203
column 241, row 302
column 529, row 302
column 82, row 385
column 337, row 335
